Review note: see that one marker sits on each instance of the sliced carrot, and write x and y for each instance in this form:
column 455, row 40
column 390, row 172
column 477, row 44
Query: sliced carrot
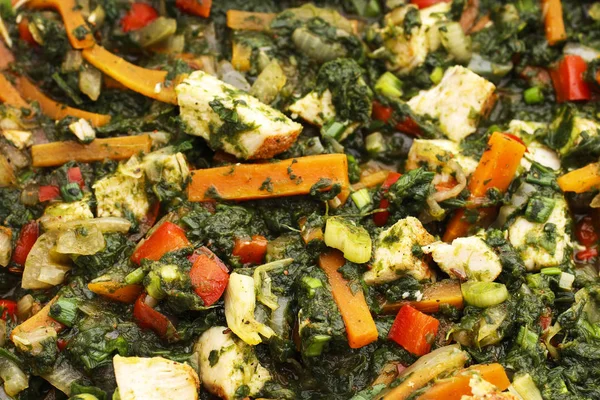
column 56, row 110
column 444, row 292
column 455, row 387
column 6, row 57
column 72, row 18
column 9, row 95
column 255, row 181
column 581, row 180
column 117, row 148
column 240, row 56
column 360, row 326
column 309, row 234
column 40, row 320
column 496, row 169
column 117, row 291
column 150, row 83
column 249, row 21
column 553, row 21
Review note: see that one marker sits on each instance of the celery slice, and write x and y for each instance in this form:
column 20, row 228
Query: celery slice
column 484, row 294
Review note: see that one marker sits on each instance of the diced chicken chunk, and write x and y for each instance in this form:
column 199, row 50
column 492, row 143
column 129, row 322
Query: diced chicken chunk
column 5, row 245
column 456, row 102
column 232, row 120
column 435, row 154
column 227, row 363
column 536, row 151
column 410, row 49
column 318, row 110
column 542, row 245
column 155, row 378
column 123, row 191
column 467, row 257
column 398, row 253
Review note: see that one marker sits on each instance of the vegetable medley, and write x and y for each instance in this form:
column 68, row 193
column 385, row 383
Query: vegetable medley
column 263, row 199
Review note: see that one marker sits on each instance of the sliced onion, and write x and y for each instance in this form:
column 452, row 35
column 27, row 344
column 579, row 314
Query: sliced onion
column 104, row 224
column 24, row 306
column 268, row 83
column 44, row 267
column 589, row 54
column 90, row 82
column 229, row 75
column 15, row 380
column 83, row 241
column 31, row 341
column 63, row 375
column 5, row 245
column 332, row 17
column 314, row 47
column 461, row 180
column 521, row 196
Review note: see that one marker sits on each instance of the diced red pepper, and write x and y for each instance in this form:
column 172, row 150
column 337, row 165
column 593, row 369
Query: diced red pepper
column 200, row 8
column 168, row 237
column 9, row 309
column 568, row 79
column 25, row 33
column 380, row 218
column 587, row 254
column 414, row 330
column 74, row 176
column 586, row 232
column 209, row 275
column 48, row 192
column 251, row 250
column 27, row 238
column 385, row 113
column 427, row 3
column 148, row 318
column 61, row 344
column 140, row 15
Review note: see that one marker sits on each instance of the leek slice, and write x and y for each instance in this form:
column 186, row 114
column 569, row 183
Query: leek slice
column 484, row 294
column 354, row 241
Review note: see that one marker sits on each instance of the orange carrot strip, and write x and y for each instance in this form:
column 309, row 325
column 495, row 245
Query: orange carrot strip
column 360, row 326
column 455, row 387
column 240, row 56
column 148, row 82
column 255, row 181
column 496, row 169
column 581, row 180
column 56, row 110
column 117, row 148
column 553, row 21
column 249, row 21
column 39, row 320
column 121, row 292
column 9, row 95
column 434, row 295
column 72, row 19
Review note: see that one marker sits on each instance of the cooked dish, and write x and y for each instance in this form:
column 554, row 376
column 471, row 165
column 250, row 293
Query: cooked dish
column 263, row 199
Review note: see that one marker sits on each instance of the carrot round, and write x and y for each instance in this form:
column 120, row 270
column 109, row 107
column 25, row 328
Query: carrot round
column 117, row 148
column 56, row 110
column 150, row 83
column 553, row 21
column 496, row 169
column 360, row 326
column 581, row 180
column 255, row 181
column 434, row 295
column 70, row 12
column 121, row 292
column 9, row 95
column 457, row 386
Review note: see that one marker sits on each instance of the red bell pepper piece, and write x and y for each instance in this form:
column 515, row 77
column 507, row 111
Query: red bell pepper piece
column 148, row 318
column 48, row 192
column 427, row 3
column 568, row 79
column 586, row 232
column 380, row 218
column 74, row 176
column 200, row 8
column 168, row 237
column 9, row 309
column 414, row 330
column 209, row 275
column 588, row 253
column 251, row 250
column 27, row 238
column 24, row 32
column 385, row 113
column 140, row 15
